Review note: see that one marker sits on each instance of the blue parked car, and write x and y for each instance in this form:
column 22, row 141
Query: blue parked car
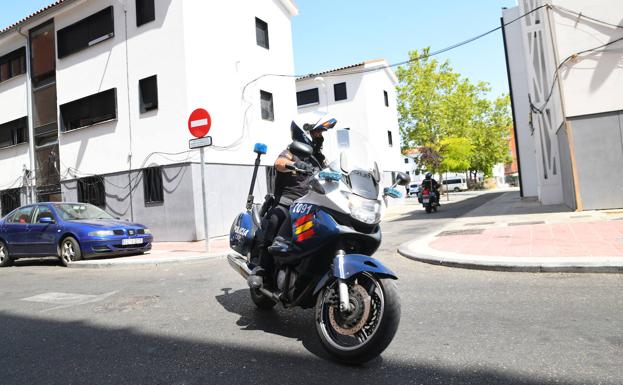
column 71, row 231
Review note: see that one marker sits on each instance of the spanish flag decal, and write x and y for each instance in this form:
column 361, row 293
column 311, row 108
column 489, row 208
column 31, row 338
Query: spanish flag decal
column 303, row 227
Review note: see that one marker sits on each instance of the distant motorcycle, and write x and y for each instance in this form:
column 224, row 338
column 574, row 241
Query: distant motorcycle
column 429, row 200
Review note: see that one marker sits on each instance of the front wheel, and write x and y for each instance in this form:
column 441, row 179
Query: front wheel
column 70, row 251
column 363, row 333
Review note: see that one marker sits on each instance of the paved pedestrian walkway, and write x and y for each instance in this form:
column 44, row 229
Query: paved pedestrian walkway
column 164, row 253
column 510, row 233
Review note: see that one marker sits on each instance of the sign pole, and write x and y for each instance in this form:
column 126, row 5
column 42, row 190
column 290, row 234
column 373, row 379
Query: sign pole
column 203, row 198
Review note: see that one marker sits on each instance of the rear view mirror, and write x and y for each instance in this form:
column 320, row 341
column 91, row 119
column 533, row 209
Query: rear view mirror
column 46, row 220
column 300, row 149
column 403, row 179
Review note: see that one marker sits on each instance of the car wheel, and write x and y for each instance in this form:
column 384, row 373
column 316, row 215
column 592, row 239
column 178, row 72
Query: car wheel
column 70, row 251
column 456, row 189
column 5, row 258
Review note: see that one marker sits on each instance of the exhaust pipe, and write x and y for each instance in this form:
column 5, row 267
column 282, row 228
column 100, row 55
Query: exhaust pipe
column 239, row 263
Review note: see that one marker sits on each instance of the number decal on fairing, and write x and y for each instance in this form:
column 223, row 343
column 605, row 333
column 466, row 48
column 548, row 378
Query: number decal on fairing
column 302, row 208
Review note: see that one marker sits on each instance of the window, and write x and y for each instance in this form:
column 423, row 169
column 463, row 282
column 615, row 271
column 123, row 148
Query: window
column 87, row 32
column 268, row 112
column 343, row 138
column 406, row 160
column 148, row 93
column 152, row 185
column 91, row 190
column 145, row 12
column 42, row 55
column 89, row 110
column 9, row 200
column 13, row 64
column 339, row 91
column 390, row 140
column 14, row 132
column 22, row 215
column 42, row 212
column 307, row 97
column 386, row 98
column 261, row 33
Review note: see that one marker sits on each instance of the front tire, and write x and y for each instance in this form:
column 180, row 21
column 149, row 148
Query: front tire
column 5, row 257
column 363, row 334
column 69, row 251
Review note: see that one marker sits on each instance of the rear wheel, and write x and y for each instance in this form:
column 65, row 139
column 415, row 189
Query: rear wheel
column 428, row 209
column 5, row 258
column 70, row 251
column 361, row 334
column 456, row 189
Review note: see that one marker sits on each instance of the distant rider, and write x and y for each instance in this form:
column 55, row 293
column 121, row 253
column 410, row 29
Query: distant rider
column 431, row 184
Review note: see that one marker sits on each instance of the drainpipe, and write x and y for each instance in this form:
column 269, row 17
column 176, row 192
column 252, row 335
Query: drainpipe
column 127, row 74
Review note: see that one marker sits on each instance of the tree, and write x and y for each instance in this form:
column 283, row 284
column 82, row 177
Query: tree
column 448, row 118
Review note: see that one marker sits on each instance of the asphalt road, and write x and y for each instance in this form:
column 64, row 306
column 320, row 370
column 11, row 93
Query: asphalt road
column 194, row 324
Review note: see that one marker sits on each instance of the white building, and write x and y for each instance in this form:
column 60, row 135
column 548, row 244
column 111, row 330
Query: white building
column 564, row 61
column 96, row 95
column 362, row 98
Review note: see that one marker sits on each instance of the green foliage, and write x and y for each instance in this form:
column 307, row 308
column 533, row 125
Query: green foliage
column 449, row 119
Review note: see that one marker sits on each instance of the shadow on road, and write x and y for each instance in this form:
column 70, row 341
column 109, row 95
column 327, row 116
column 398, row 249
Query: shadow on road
column 46, row 351
column 449, row 210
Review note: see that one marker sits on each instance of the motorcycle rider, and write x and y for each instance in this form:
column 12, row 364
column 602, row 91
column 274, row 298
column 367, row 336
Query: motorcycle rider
column 432, row 185
column 289, row 186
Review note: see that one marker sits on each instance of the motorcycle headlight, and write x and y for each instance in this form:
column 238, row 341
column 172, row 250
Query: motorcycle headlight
column 101, row 233
column 364, row 210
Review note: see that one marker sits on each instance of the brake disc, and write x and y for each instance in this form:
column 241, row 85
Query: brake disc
column 352, row 323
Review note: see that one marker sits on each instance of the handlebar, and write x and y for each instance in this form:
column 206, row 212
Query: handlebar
column 300, row 170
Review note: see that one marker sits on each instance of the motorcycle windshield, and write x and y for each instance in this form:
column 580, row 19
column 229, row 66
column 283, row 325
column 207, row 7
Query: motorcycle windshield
column 356, row 160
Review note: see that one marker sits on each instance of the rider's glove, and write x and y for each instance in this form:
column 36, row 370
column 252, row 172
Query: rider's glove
column 303, row 166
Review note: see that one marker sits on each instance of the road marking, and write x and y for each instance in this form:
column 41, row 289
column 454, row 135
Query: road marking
column 65, row 300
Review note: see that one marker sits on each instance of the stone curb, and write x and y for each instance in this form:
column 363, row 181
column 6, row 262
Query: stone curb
column 512, row 264
column 120, row 262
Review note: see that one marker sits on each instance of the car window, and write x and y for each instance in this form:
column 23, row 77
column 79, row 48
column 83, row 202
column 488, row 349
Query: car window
column 21, row 215
column 42, row 212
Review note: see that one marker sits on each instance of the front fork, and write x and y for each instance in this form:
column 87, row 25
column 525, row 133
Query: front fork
column 342, row 286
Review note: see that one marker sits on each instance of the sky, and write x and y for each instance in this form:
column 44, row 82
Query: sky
column 335, row 33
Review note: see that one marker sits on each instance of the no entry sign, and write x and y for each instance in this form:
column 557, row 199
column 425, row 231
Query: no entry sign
column 199, row 123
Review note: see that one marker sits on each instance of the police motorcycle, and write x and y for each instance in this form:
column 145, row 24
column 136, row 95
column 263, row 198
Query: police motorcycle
column 330, row 264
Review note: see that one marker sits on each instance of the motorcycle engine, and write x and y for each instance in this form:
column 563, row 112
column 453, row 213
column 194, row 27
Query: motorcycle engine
column 282, row 278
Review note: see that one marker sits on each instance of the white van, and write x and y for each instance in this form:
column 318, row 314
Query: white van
column 455, row 184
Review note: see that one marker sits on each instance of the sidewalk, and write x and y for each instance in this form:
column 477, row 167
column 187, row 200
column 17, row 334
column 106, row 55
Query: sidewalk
column 164, row 253
column 512, row 234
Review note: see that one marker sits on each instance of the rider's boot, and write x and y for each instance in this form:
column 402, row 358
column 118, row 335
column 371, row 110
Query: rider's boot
column 280, row 246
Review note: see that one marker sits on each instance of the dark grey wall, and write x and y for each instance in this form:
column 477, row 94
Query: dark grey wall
column 598, row 142
column 566, row 171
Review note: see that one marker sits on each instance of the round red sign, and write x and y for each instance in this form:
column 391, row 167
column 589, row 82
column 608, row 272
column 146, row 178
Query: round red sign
column 199, row 123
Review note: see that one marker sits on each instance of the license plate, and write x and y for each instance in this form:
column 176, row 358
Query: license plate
column 131, row 241
column 426, row 200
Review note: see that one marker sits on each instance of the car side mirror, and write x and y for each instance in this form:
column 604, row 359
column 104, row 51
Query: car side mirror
column 300, row 149
column 46, row 220
column 403, row 179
